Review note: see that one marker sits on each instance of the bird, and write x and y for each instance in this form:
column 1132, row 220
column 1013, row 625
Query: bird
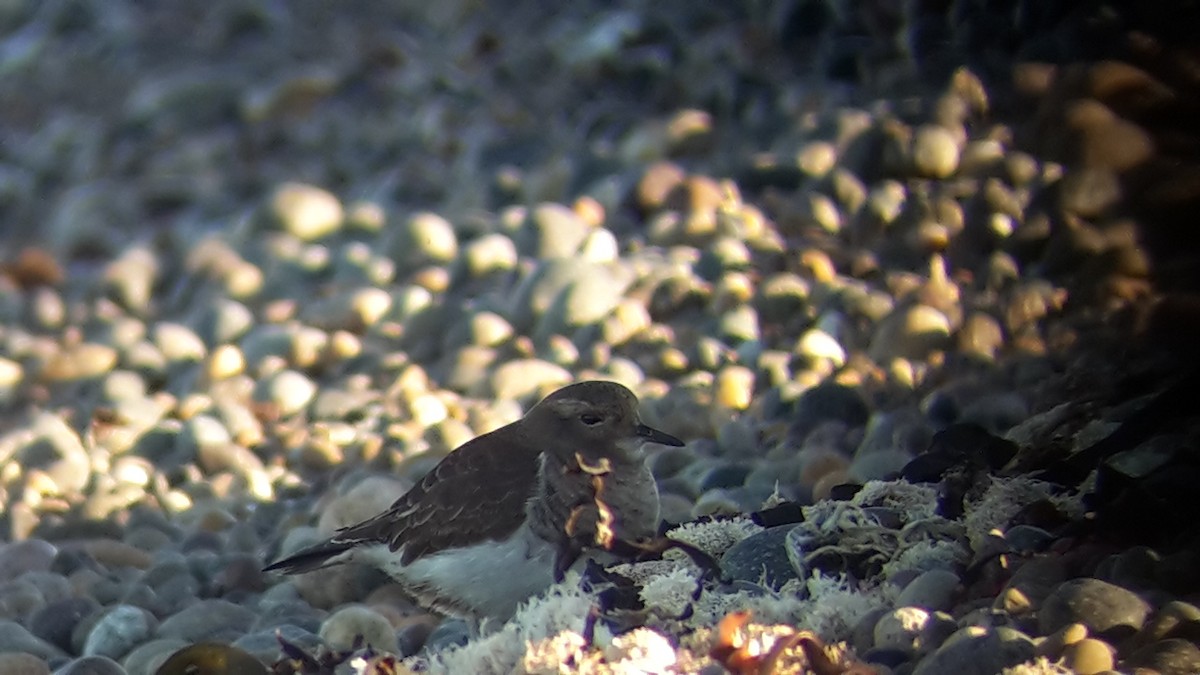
column 505, row 515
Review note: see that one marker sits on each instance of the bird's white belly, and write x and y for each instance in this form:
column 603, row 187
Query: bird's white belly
column 489, row 579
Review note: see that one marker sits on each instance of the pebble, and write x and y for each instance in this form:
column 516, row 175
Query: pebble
column 148, row 657
column 92, row 665
column 15, row 638
column 208, row 620
column 56, row 621
column 909, row 333
column 900, row 628
column 350, row 624
column 760, row 558
column 19, row 663
column 306, row 211
column 933, row 590
column 289, row 390
column 1107, row 610
column 935, row 152
column 978, row 651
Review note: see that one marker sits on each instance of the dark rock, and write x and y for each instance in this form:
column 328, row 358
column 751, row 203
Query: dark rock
column 1172, row 656
column 825, row 402
column 55, row 622
column 761, row 557
column 978, row 651
column 1109, row 611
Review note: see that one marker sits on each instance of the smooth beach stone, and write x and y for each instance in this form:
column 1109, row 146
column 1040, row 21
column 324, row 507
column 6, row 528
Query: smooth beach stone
column 211, row 619
column 978, row 651
column 760, row 558
column 306, row 211
column 91, row 665
column 264, row 645
column 120, row 630
column 349, row 625
column 935, row 589
column 1106, row 609
column 20, row 663
column 15, row 638
column 148, row 657
column 900, row 628
column 1174, row 656
column 56, row 621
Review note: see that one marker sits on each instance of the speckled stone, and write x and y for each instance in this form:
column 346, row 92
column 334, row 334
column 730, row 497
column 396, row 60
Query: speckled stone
column 1106, row 609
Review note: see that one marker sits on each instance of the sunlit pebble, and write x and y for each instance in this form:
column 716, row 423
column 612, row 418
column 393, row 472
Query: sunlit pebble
column 344, row 345
column 435, row 278
column 734, row 387
column 226, row 361
column 817, row 265
column 589, row 210
column 1001, row 224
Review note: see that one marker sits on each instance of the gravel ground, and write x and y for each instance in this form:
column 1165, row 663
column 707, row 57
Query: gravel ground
column 914, row 293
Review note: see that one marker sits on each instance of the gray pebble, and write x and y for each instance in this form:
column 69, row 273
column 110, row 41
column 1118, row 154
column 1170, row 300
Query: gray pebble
column 978, row 651
column 901, row 628
column 148, row 657
column 264, row 645
column 20, row 663
column 15, row 638
column 1174, row 656
column 1107, row 610
column 19, row 599
column 760, row 558
column 56, row 621
column 932, row 590
column 120, row 630
column 211, row 619
column 91, row 665
column 292, row 612
column 828, row 402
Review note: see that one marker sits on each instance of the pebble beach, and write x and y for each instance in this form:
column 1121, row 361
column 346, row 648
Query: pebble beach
column 913, row 284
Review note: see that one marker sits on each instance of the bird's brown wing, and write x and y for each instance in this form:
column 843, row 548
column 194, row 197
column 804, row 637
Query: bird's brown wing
column 477, row 492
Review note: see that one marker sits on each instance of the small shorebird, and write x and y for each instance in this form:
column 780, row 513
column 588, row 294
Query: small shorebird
column 505, row 515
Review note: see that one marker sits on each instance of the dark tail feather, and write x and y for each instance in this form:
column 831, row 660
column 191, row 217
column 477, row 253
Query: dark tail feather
column 312, row 558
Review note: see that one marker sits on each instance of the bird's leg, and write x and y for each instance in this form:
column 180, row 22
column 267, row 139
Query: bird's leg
column 654, row 548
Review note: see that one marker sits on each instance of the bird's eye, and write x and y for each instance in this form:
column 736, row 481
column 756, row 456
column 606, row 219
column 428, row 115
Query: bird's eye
column 591, row 419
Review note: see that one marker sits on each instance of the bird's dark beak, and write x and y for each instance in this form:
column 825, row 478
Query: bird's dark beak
column 656, row 436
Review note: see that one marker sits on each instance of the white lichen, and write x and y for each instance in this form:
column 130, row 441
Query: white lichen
column 669, row 594
column 829, row 517
column 915, row 502
column 716, row 536
column 563, row 609
column 1004, row 497
column 641, row 650
column 923, row 556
